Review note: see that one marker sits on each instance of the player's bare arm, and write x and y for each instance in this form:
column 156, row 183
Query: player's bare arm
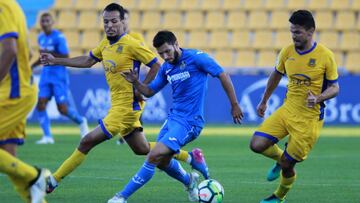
column 230, row 92
column 8, row 55
column 272, row 83
column 152, row 73
column 76, row 62
column 132, row 77
column 331, row 91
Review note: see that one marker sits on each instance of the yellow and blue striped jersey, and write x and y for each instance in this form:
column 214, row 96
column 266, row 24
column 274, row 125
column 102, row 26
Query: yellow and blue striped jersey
column 311, row 70
column 18, row 81
column 124, row 54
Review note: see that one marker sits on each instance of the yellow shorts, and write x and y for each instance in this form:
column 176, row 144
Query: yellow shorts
column 120, row 120
column 303, row 132
column 13, row 118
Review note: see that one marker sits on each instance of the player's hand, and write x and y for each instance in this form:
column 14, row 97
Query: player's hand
column 312, row 100
column 237, row 114
column 261, row 108
column 139, row 97
column 130, row 76
column 46, row 58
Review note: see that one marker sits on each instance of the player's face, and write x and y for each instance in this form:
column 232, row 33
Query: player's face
column 300, row 36
column 169, row 52
column 113, row 25
column 46, row 23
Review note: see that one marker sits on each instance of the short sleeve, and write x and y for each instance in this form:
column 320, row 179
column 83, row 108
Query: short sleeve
column 62, row 47
column 143, row 54
column 160, row 80
column 331, row 69
column 96, row 53
column 280, row 62
column 208, row 64
column 8, row 26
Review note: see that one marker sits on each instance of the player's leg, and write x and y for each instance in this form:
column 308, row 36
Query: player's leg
column 137, row 141
column 44, row 120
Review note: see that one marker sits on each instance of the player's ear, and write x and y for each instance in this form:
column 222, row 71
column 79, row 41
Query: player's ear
column 311, row 31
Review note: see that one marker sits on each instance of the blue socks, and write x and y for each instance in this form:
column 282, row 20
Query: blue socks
column 74, row 116
column 145, row 173
column 44, row 123
column 176, row 171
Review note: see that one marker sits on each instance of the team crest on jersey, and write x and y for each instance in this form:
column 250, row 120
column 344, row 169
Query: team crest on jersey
column 119, row 49
column 182, row 65
column 312, row 62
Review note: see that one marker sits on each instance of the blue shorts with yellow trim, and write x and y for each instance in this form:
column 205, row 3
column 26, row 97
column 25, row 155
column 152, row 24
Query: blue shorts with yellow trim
column 303, row 132
column 13, row 118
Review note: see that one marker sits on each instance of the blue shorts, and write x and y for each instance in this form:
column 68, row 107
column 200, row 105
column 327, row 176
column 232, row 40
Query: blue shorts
column 176, row 133
column 57, row 89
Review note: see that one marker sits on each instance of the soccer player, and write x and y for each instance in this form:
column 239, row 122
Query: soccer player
column 186, row 70
column 312, row 73
column 17, row 98
column 118, row 52
column 54, row 80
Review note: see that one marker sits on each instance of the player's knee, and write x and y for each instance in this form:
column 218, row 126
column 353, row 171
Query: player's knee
column 143, row 150
column 62, row 109
column 41, row 106
column 256, row 147
column 86, row 144
column 154, row 157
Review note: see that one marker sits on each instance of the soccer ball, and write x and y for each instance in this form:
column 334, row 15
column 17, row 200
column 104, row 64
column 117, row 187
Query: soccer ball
column 210, row 191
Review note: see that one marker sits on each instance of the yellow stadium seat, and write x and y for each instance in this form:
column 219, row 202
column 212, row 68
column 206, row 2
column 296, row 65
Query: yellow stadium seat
column 279, row 20
column 150, row 34
column 355, row 5
column 339, row 58
column 236, row 20
column 350, row 41
column 266, row 58
column 181, row 37
column 88, row 20
column 219, row 40
column 258, row 20
column 85, row 5
column 253, row 4
column 352, row 62
column 33, row 38
column 74, row 52
column 72, row 38
column 134, row 20
column 101, row 4
column 194, row 20
column 90, row 40
column 168, row 5
column 245, row 58
column 63, row 4
column 67, row 20
column 225, row 58
column 150, row 20
column 340, row 4
column 263, row 39
column 318, row 5
column 240, row 39
column 215, row 20
column 330, row 39
column 345, row 20
column 172, row 20
column 211, row 5
column 282, row 39
column 188, row 5
column 324, row 20
column 147, row 5
column 198, row 39
column 275, row 4
column 232, row 5
column 296, row 4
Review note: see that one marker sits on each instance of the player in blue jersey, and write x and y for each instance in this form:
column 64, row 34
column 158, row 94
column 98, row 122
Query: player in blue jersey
column 54, row 80
column 186, row 71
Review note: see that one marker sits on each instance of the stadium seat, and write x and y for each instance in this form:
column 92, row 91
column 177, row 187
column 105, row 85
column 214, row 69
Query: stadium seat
column 74, row 52
column 82, row 5
column 198, row 39
column 240, row 39
column 219, row 40
column 146, row 5
column 330, row 39
column 232, row 5
column 245, row 59
column 67, row 20
column 324, row 20
column 172, row 20
column 101, row 4
column 194, row 20
column 88, row 20
column 293, row 5
column 134, row 20
column 350, row 41
column 355, row 5
column 273, row 5
column 215, row 20
column 263, row 39
column 189, row 5
column 266, row 59
column 345, row 20
column 236, row 20
column 279, row 20
column 352, row 62
column 72, row 38
column 282, row 39
column 33, row 38
column 258, row 20
column 211, row 5
column 149, row 36
column 225, row 58
column 151, row 20
column 340, row 5
column 316, row 5
column 253, row 4
column 63, row 4
column 168, row 5
column 339, row 58
column 181, row 37
column 90, row 40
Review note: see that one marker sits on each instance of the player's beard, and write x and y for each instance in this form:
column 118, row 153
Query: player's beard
column 176, row 57
column 112, row 38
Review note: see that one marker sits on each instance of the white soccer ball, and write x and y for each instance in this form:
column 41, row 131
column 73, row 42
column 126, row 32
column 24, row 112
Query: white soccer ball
column 210, row 191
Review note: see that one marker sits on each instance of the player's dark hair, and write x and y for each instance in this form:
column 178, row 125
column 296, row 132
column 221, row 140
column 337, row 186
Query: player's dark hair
column 303, row 18
column 115, row 7
column 46, row 14
column 162, row 37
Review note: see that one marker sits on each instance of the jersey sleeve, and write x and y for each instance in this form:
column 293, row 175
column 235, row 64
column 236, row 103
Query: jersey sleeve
column 62, row 47
column 280, row 62
column 143, row 54
column 208, row 64
column 96, row 53
column 8, row 27
column 331, row 69
column 159, row 82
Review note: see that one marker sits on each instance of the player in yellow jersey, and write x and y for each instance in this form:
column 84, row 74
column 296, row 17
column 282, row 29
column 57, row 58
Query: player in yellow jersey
column 312, row 73
column 17, row 98
column 119, row 52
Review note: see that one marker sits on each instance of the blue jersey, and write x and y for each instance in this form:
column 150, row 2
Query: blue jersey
column 55, row 42
column 188, row 80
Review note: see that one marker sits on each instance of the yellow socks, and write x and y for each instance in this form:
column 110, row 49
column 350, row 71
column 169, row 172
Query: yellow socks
column 21, row 187
column 284, row 187
column 182, row 156
column 69, row 165
column 14, row 167
column 273, row 152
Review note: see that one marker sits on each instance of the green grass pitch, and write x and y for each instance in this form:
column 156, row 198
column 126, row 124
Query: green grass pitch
column 330, row 174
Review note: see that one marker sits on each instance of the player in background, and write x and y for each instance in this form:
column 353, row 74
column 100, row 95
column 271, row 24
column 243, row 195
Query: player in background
column 118, row 52
column 312, row 73
column 54, row 80
column 186, row 70
column 17, row 98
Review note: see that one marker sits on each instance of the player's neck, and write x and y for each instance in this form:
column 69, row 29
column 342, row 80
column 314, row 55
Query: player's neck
column 307, row 47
